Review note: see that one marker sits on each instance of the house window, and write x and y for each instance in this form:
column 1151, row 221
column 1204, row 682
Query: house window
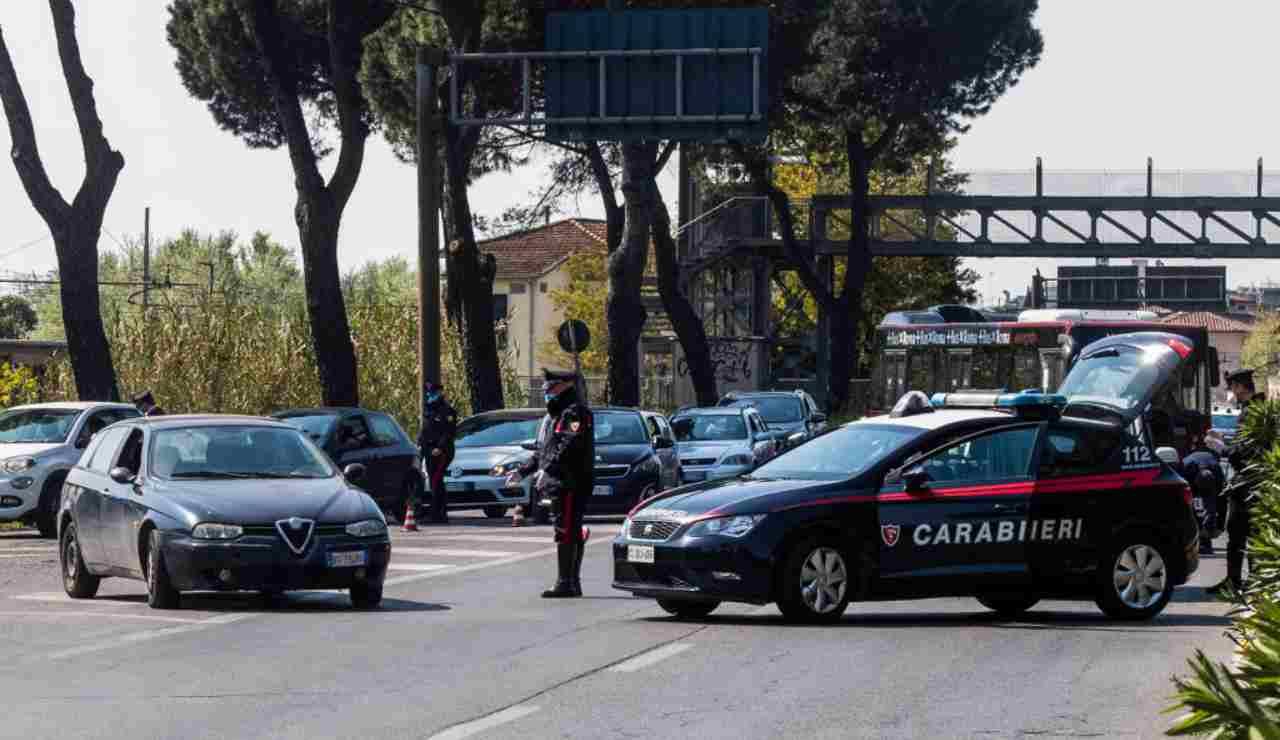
column 542, row 287
column 517, row 288
column 500, row 307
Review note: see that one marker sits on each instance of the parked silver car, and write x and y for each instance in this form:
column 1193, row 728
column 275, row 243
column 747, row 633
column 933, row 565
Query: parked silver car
column 39, row 444
column 722, row 442
column 487, row 448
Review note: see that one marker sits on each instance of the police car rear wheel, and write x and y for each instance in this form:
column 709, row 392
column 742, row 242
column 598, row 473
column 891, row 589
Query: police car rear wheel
column 815, row 582
column 1008, row 606
column 1135, row 584
column 688, row 609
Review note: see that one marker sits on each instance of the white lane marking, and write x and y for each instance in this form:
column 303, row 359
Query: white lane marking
column 34, row 548
column 490, row 538
column 147, row 636
column 475, row 727
column 657, row 655
column 399, row 580
column 449, row 552
column 99, row 615
column 30, row 555
column 62, row 598
column 419, row 567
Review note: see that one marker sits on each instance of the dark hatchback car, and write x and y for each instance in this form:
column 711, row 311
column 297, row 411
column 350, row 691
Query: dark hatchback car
column 373, row 439
column 631, row 464
column 1009, row 498
column 217, row 503
column 794, row 413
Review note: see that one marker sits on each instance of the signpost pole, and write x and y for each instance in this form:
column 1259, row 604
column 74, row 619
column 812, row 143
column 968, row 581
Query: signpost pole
column 428, row 62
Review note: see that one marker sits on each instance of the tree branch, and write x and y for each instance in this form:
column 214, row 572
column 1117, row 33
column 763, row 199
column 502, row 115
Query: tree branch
column 883, row 141
column 344, row 55
column 96, row 149
column 604, row 177
column 264, row 26
column 664, row 157
column 26, row 153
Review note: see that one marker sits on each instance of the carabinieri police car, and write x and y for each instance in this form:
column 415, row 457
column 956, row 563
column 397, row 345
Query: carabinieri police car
column 1011, row 498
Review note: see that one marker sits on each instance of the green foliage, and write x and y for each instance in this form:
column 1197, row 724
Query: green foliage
column 17, row 386
column 584, row 299
column 17, row 317
column 1262, row 346
column 1243, row 701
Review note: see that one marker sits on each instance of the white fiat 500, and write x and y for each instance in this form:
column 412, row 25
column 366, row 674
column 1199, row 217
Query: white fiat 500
column 38, row 445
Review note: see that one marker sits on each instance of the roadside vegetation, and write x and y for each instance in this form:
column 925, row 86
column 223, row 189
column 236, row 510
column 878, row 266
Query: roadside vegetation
column 1242, row 700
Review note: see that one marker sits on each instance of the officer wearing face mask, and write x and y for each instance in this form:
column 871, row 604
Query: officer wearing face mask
column 1243, row 485
column 435, row 444
column 565, row 470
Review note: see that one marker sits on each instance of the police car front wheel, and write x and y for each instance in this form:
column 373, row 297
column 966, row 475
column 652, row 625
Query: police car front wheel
column 815, row 582
column 1134, row 582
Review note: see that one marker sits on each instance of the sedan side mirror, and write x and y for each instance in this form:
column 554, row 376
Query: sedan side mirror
column 662, row 443
column 122, row 475
column 530, row 446
column 354, row 472
column 819, row 418
column 1168, row 456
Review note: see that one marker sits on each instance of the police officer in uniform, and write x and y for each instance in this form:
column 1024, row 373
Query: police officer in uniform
column 146, row 403
column 1241, row 456
column 435, row 444
column 565, row 470
column 1203, row 470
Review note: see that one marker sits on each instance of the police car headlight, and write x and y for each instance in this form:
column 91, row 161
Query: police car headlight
column 209, row 531
column 736, row 460
column 367, row 528
column 18, row 464
column 728, row 526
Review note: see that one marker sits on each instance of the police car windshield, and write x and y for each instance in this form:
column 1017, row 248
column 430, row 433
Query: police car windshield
column 840, row 455
column 709, row 428
column 1119, row 377
column 775, row 410
column 614, row 428
column 36, row 426
column 491, row 431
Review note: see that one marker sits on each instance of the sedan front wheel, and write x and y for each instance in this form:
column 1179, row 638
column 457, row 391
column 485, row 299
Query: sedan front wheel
column 77, row 581
column 815, row 582
column 160, row 591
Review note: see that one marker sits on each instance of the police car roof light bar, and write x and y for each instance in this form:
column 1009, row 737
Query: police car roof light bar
column 1027, row 403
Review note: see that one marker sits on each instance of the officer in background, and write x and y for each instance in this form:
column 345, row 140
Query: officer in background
column 435, row 445
column 1242, row 457
column 565, row 466
column 1203, row 470
column 146, row 403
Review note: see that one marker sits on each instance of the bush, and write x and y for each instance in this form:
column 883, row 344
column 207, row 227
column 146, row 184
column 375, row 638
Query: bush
column 17, row 385
column 1243, row 700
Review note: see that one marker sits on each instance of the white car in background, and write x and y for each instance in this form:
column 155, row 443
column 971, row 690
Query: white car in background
column 39, row 444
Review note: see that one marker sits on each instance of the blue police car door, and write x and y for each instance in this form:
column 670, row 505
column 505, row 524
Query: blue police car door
column 968, row 519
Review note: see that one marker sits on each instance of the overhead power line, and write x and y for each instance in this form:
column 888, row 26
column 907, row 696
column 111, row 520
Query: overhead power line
column 25, row 245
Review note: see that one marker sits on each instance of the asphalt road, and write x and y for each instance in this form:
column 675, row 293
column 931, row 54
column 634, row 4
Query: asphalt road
column 463, row 647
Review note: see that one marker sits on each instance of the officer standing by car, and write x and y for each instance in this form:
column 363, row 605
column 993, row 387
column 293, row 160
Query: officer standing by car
column 435, row 445
column 1242, row 456
column 146, row 403
column 1203, row 470
column 565, row 470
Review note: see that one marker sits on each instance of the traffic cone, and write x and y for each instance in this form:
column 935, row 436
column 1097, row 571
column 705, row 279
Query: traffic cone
column 410, row 523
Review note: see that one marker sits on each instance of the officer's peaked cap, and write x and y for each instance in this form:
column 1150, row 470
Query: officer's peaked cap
column 144, row 397
column 553, row 376
column 1243, row 376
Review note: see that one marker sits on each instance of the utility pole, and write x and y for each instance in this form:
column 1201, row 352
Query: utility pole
column 146, row 261
column 429, row 62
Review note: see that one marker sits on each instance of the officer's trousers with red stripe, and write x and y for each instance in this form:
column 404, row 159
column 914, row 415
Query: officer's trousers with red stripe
column 566, row 516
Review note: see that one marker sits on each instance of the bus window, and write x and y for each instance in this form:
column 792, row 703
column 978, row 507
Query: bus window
column 1026, row 369
column 1052, row 374
column 986, row 369
column 895, row 378
column 922, row 371
column 960, row 369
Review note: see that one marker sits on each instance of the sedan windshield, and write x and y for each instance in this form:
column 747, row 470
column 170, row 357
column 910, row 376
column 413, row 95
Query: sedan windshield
column 776, row 410
column 236, row 452
column 496, row 431
column 840, row 455
column 37, row 426
column 709, row 428
column 619, row 429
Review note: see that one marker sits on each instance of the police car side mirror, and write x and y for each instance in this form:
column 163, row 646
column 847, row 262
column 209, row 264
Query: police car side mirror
column 915, row 478
column 1168, row 456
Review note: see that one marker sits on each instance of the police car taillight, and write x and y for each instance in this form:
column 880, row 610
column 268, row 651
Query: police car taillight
column 1027, row 404
column 1186, row 495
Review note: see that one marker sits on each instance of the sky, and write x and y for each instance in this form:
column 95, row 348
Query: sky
column 1118, row 82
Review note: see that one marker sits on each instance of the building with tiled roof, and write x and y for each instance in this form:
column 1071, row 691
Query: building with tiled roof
column 1226, row 333
column 529, row 266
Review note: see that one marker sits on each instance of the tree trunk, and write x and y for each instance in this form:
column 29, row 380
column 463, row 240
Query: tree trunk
column 625, row 312
column 469, row 294
column 326, row 306
column 849, row 309
column 684, row 319
column 76, row 226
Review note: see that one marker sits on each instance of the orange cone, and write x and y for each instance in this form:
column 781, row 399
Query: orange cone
column 410, row 523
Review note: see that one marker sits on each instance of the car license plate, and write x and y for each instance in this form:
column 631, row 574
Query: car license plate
column 695, row 476
column 350, row 559
column 640, row 554
column 459, row 487
column 602, row 491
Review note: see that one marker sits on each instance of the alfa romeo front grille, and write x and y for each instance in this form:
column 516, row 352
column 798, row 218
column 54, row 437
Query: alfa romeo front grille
column 657, row 531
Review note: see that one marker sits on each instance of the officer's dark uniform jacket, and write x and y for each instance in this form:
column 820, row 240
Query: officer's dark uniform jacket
column 565, row 459
column 155, row 411
column 1241, row 456
column 438, row 432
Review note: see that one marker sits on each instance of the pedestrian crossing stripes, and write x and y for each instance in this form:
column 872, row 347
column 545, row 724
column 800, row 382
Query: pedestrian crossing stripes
column 450, row 552
column 418, row 567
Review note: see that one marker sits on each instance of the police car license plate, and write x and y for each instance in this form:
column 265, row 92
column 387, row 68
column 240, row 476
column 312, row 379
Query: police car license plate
column 640, row 554
column 350, row 559
column 602, row 491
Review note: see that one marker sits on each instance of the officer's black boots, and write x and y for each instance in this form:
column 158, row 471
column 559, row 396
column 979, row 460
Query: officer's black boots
column 566, row 558
column 575, row 576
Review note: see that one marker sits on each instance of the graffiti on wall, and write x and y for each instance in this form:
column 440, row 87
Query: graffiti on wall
column 731, row 360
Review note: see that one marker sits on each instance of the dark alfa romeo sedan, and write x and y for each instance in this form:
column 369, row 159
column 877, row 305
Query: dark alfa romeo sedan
column 218, row 503
column 1010, row 498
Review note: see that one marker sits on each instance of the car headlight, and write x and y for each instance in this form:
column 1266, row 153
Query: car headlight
column 18, row 464
column 22, row 483
column 217, row 531
column 796, row 438
column 502, row 470
column 737, row 460
column 367, row 528
column 729, row 526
